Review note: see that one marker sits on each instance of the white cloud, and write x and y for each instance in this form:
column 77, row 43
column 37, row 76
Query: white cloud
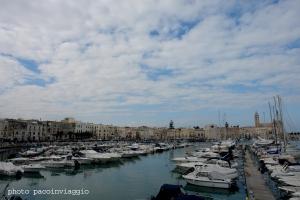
column 93, row 52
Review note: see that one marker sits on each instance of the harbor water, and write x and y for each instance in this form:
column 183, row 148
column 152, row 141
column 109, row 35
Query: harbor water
column 130, row 179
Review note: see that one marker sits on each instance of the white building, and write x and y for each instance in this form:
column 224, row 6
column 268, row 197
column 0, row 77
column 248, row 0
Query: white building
column 212, row 132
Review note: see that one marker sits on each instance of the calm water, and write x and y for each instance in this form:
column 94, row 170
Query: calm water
column 128, row 180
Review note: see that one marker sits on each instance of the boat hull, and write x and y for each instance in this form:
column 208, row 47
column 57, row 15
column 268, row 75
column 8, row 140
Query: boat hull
column 213, row 184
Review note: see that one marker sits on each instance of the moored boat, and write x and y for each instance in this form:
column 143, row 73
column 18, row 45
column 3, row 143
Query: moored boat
column 9, row 169
column 208, row 179
column 32, row 168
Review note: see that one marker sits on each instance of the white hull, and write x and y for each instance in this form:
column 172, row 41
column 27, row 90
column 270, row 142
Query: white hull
column 294, row 168
column 188, row 159
column 9, row 169
column 226, row 172
column 83, row 161
column 33, row 168
column 58, row 164
column 100, row 158
column 8, row 173
column 205, row 182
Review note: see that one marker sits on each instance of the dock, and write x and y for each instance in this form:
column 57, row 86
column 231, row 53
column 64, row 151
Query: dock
column 256, row 184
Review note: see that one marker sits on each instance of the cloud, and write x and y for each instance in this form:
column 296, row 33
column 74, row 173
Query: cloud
column 147, row 60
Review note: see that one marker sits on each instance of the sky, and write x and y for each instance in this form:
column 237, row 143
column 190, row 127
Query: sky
column 147, row 62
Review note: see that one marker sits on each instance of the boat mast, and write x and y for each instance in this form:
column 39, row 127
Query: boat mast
column 273, row 123
column 281, row 121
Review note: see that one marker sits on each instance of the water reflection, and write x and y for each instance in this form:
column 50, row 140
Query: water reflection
column 9, row 178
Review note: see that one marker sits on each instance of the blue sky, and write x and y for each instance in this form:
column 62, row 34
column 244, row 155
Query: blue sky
column 152, row 62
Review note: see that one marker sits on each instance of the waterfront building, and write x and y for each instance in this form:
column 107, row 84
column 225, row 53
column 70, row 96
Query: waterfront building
column 212, row 132
column 230, row 132
column 198, row 134
column 179, row 133
column 105, row 132
column 15, row 130
column 264, row 130
column 259, row 124
column 254, row 132
column 144, row 133
column 82, row 130
column 3, row 129
column 67, row 130
column 127, row 133
column 20, row 130
column 34, row 131
column 160, row 133
column 28, row 130
column 52, row 130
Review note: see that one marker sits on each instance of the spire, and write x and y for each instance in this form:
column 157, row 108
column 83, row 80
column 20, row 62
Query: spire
column 171, row 125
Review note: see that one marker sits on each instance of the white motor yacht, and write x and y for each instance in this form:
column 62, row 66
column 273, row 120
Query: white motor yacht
column 230, row 173
column 141, row 152
column 134, row 146
column 294, row 168
column 83, row 160
column 39, row 159
column 33, row 152
column 95, row 156
column 208, row 154
column 59, row 162
column 112, row 156
column 188, row 159
column 184, row 167
column 279, row 171
column 33, row 168
column 228, row 143
column 18, row 161
column 208, row 179
column 263, row 142
column 290, row 180
column 147, row 148
column 158, row 149
column 63, row 151
column 9, row 169
column 223, row 165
